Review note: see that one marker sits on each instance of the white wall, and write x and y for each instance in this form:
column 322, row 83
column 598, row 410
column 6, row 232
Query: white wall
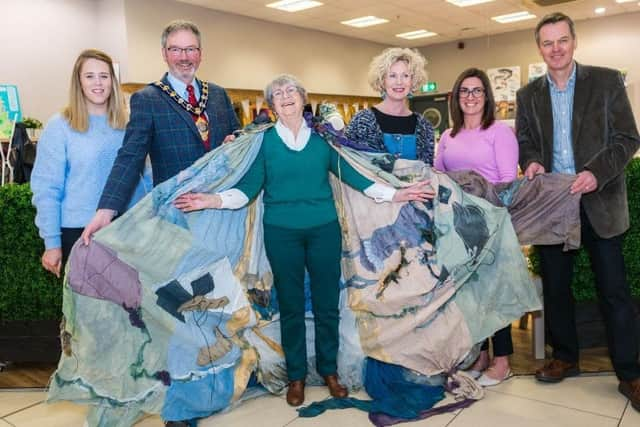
column 42, row 38
column 111, row 28
column 245, row 53
column 609, row 42
column 40, row 42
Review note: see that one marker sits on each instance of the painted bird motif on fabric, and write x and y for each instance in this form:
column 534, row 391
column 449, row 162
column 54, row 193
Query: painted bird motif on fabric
column 470, row 224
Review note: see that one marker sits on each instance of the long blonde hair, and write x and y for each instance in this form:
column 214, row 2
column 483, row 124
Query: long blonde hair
column 77, row 113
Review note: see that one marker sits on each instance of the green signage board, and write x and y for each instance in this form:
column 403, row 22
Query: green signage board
column 430, row 87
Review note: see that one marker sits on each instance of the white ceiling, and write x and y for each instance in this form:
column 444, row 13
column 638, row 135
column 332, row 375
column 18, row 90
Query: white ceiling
column 449, row 21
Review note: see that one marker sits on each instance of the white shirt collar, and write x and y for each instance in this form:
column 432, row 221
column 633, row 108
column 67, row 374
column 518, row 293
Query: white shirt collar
column 181, row 87
column 296, row 144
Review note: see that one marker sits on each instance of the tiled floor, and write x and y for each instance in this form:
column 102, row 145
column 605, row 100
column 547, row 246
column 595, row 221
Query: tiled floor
column 585, row 401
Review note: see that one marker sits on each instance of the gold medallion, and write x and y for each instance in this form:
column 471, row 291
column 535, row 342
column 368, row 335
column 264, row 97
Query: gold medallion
column 203, row 127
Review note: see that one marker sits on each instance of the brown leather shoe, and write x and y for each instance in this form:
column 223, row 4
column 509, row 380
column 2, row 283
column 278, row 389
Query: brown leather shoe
column 556, row 370
column 335, row 388
column 295, row 394
column 631, row 390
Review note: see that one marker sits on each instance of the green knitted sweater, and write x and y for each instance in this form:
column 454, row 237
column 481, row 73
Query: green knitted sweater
column 297, row 193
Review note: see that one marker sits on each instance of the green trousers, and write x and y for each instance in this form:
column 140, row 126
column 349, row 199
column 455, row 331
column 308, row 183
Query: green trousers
column 318, row 249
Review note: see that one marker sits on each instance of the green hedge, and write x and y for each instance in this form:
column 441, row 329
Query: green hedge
column 583, row 280
column 27, row 291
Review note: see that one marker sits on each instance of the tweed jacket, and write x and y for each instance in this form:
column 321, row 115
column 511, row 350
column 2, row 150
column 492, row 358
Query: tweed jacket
column 164, row 130
column 605, row 138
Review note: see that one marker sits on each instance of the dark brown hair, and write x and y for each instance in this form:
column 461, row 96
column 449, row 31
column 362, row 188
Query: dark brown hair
column 554, row 18
column 457, row 116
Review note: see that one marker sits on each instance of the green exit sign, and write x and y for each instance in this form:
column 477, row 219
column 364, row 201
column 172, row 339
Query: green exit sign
column 430, row 87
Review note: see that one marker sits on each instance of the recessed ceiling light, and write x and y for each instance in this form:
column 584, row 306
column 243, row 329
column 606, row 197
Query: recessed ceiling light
column 513, row 17
column 465, row 3
column 418, row 34
column 625, row 1
column 294, row 5
column 365, row 21
column 600, row 10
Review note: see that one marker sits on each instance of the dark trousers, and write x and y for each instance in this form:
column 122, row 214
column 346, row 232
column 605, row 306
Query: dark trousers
column 607, row 263
column 318, row 249
column 501, row 342
column 68, row 239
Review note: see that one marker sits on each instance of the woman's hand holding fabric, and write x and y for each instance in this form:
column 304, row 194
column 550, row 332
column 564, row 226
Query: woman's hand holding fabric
column 420, row 191
column 196, row 201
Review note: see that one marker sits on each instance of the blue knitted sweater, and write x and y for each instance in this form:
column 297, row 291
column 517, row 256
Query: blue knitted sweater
column 70, row 171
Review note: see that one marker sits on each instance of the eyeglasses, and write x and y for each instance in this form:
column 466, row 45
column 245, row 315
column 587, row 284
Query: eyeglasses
column 177, row 51
column 289, row 90
column 465, row 92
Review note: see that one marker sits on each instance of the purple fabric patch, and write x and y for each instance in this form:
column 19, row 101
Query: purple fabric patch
column 380, row 419
column 95, row 271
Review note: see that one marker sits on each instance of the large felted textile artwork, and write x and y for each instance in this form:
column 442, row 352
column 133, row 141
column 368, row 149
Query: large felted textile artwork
column 175, row 313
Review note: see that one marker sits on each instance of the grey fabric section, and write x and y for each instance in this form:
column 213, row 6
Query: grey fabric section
column 543, row 211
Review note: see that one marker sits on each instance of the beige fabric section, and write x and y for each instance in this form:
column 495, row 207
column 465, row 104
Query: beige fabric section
column 405, row 313
column 399, row 326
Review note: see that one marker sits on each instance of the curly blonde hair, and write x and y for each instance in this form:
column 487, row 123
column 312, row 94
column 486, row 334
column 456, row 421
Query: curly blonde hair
column 381, row 64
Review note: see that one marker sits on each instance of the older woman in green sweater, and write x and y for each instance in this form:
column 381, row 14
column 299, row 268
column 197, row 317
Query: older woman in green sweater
column 301, row 227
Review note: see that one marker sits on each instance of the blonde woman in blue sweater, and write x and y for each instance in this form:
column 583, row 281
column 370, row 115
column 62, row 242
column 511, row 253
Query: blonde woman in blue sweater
column 301, row 228
column 75, row 154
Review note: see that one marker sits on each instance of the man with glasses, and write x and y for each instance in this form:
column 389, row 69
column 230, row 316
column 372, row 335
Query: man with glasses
column 175, row 120
column 577, row 120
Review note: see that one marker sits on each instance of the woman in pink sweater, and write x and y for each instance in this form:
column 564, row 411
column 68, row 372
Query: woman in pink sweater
column 477, row 142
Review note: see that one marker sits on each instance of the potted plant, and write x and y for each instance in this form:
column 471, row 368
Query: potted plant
column 33, row 126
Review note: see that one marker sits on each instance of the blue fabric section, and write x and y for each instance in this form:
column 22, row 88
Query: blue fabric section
column 214, row 393
column 397, row 392
column 216, row 234
column 195, row 180
column 402, row 146
column 394, row 392
column 198, row 331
